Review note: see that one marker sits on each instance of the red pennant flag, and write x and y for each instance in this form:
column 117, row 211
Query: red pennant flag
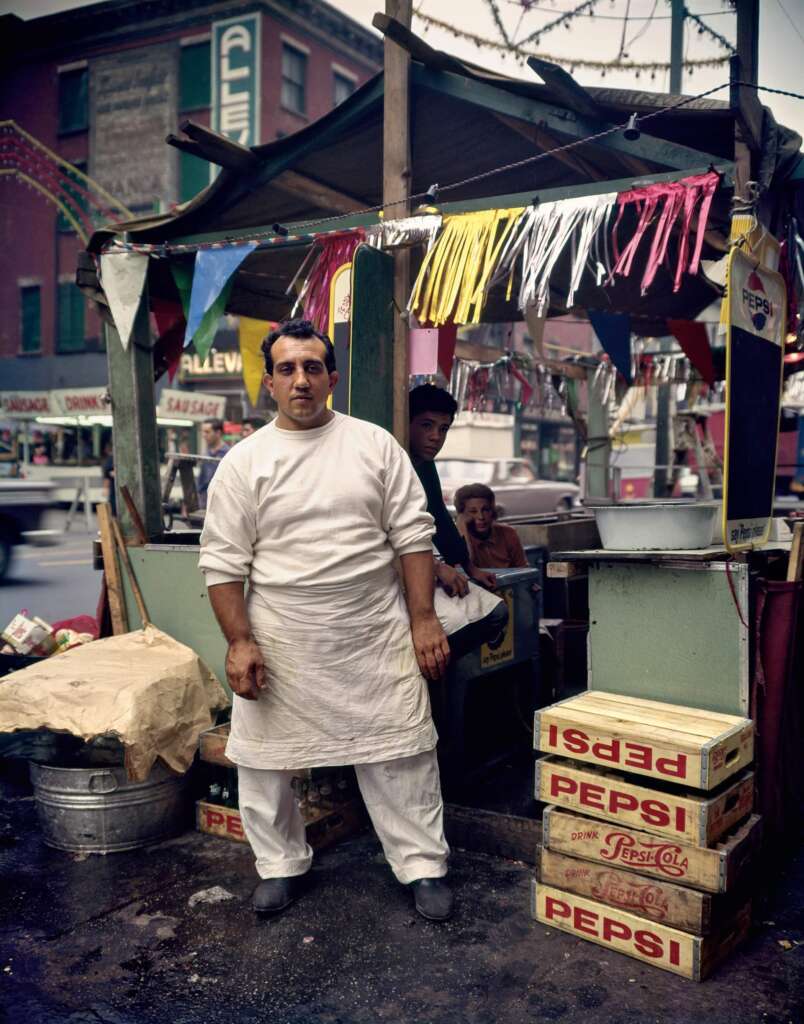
column 170, row 326
column 694, row 341
column 447, row 340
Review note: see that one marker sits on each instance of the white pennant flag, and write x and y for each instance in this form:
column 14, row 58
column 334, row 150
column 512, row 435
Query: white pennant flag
column 123, row 281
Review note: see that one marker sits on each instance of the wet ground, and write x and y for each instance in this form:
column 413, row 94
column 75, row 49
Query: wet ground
column 130, row 938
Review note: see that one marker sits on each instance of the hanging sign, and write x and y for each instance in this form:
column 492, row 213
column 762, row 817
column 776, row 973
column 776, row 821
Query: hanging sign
column 340, row 320
column 190, row 405
column 754, row 358
column 25, row 405
column 81, row 402
column 236, row 78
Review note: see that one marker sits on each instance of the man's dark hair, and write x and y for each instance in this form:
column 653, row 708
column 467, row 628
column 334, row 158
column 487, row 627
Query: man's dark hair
column 429, row 398
column 463, row 494
column 254, row 421
column 303, row 330
column 216, row 424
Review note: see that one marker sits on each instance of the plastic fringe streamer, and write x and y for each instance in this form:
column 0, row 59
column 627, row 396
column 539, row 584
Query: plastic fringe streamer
column 334, row 251
column 405, row 231
column 456, row 270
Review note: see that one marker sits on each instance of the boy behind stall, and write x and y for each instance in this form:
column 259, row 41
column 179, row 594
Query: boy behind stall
column 492, row 545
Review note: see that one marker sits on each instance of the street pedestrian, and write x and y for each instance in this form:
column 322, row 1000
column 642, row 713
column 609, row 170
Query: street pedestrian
column 325, row 660
column 250, row 425
column 212, row 432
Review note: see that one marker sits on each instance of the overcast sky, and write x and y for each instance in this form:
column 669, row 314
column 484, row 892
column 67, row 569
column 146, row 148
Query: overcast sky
column 781, row 38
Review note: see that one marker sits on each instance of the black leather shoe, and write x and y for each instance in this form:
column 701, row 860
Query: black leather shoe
column 274, row 894
column 433, row 898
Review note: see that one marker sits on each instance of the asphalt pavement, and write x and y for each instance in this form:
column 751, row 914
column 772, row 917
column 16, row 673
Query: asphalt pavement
column 54, row 582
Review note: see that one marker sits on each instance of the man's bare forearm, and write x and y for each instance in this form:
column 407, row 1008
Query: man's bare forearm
column 417, row 569
column 229, row 604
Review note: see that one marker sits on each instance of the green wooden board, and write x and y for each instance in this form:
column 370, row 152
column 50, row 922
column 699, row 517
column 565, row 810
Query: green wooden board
column 372, row 344
column 670, row 634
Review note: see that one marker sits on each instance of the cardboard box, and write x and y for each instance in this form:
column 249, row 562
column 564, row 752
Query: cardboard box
column 698, row 749
column 691, row 956
column 688, row 909
column 715, row 870
column 685, row 816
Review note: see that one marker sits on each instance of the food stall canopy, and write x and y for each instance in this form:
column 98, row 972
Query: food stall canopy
column 464, row 122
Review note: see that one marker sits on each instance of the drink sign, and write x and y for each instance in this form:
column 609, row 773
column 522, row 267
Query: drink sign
column 757, row 303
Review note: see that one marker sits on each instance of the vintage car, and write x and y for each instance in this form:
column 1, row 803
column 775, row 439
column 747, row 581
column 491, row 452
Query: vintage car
column 22, row 504
column 517, row 489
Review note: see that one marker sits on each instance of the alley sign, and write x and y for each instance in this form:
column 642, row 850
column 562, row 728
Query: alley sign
column 236, row 78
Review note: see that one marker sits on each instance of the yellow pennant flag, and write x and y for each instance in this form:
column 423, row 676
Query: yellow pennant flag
column 252, row 335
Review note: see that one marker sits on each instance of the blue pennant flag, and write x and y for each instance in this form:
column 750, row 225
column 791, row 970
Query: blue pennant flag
column 213, row 268
column 614, row 333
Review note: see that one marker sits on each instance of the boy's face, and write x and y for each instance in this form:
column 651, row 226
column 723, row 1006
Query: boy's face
column 478, row 514
column 428, row 432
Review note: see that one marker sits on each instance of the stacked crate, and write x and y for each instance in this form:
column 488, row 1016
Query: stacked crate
column 649, row 837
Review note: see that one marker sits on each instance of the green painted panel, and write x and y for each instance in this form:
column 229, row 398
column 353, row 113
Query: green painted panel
column 175, row 596
column 672, row 634
column 371, row 394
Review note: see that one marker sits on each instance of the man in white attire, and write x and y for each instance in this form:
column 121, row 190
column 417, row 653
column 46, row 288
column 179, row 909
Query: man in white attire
column 325, row 659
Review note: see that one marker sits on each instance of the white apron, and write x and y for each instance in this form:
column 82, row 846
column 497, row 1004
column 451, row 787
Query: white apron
column 343, row 684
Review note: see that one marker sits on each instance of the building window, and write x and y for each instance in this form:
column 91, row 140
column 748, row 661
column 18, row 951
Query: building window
column 195, row 77
column 31, row 319
column 73, row 101
column 294, row 79
column 71, row 318
column 76, row 199
column 343, row 87
column 193, row 176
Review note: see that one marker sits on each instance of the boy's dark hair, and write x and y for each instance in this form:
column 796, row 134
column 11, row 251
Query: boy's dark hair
column 302, row 329
column 255, row 421
column 216, row 424
column 468, row 491
column 429, row 398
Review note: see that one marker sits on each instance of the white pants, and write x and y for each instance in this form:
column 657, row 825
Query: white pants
column 403, row 798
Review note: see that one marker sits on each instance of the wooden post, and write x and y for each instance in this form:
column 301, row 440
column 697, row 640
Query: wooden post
column 744, row 66
column 396, row 181
column 676, row 45
column 136, row 453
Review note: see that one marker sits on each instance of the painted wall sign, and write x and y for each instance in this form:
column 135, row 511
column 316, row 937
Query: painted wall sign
column 25, row 405
column 236, row 68
column 190, row 405
column 754, row 361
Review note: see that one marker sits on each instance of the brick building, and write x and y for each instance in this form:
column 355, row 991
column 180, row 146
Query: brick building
column 102, row 86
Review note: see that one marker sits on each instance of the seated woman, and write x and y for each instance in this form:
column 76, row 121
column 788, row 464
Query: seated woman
column 492, row 545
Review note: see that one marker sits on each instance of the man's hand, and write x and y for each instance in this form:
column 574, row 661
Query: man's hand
column 485, row 579
column 245, row 669
column 431, row 646
column 451, row 580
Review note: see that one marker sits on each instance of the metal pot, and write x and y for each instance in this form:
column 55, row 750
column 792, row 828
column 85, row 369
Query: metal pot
column 671, row 525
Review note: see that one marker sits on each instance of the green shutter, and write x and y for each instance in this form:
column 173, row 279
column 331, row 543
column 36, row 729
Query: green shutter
column 75, row 199
column 31, row 317
column 193, row 176
column 195, row 73
column 74, row 101
column 71, row 318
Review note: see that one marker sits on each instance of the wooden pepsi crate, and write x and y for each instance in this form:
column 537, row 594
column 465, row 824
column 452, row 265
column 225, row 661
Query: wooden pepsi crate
column 324, row 826
column 691, row 956
column 693, row 818
column 716, row 869
column 693, row 748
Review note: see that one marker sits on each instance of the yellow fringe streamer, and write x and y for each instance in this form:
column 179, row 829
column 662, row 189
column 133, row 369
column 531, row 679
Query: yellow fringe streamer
column 451, row 286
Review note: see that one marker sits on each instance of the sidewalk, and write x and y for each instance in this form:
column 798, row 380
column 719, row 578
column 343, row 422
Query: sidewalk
column 113, row 940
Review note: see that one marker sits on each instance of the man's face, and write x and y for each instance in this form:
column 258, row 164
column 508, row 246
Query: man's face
column 428, row 432
column 248, row 430
column 479, row 516
column 300, row 384
column 212, row 437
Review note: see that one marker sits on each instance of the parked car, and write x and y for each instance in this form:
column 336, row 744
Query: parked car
column 517, row 488
column 22, row 503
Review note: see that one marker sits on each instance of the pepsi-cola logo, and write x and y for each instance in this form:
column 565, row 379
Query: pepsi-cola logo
column 756, row 303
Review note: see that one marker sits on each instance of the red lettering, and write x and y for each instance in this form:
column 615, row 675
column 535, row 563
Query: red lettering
column 552, row 735
column 554, row 908
column 654, row 812
column 622, row 802
column 590, row 796
column 677, row 767
column 585, row 921
column 607, row 751
column 681, row 819
column 213, row 817
column 233, row 825
column 648, row 944
column 615, row 930
column 675, row 952
column 638, row 756
column 575, row 741
column 561, row 784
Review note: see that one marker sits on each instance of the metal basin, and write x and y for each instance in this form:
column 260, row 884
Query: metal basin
column 657, row 525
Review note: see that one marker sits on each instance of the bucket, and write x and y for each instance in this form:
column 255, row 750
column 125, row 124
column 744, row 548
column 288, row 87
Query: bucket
column 97, row 809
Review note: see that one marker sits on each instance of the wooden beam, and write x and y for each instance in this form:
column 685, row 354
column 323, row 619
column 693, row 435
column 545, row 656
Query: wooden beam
column 396, row 181
column 566, row 90
column 317, row 192
column 217, row 148
column 111, row 571
column 744, row 101
column 540, row 137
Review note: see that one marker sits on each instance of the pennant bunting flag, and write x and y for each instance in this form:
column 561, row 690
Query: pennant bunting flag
column 447, row 340
column 252, row 335
column 205, row 333
column 183, row 279
column 614, row 333
column 423, row 350
column 170, row 324
column 123, row 278
column 212, row 273
column 694, row 341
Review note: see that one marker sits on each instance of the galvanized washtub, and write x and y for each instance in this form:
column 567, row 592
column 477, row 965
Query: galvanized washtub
column 97, row 810
column 656, row 525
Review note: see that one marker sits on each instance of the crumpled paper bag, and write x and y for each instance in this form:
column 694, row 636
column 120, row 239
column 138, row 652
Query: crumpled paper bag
column 151, row 692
